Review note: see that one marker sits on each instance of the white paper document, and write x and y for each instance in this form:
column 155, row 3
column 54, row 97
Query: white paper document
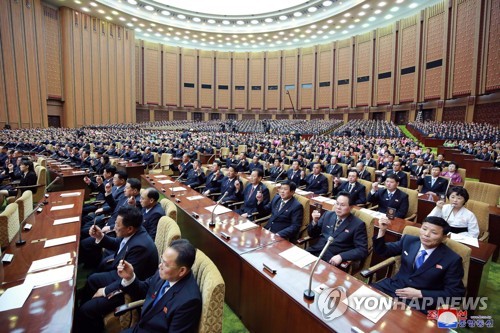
column 358, row 301
column 50, row 262
column 51, row 276
column 72, row 194
column 373, row 213
column 300, row 192
column 14, row 298
column 298, row 256
column 62, row 207
column 67, row 220
column 464, row 239
column 321, row 199
column 219, row 210
column 177, row 189
column 79, row 172
column 160, row 176
column 195, row 197
column 331, row 201
column 166, row 181
column 60, row 241
column 246, row 226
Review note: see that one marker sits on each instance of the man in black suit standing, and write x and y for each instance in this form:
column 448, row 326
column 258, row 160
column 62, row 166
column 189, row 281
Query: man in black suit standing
column 173, row 300
column 349, row 233
column 286, row 211
column 315, row 182
column 131, row 241
column 390, row 197
column 356, row 190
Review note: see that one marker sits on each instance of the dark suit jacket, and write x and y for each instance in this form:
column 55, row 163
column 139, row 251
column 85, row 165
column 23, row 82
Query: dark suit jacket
column 115, row 206
column 27, row 179
column 335, row 170
column 358, row 193
column 318, row 186
column 195, row 178
column 213, row 183
column 294, row 178
column 285, row 222
column 417, row 172
column 403, row 178
column 371, row 162
column 399, row 201
column 228, row 186
column 275, row 172
column 179, row 310
column 148, row 158
column 185, row 169
column 250, row 201
column 151, row 218
column 365, row 175
column 257, row 165
column 350, row 239
column 439, row 276
column 440, row 185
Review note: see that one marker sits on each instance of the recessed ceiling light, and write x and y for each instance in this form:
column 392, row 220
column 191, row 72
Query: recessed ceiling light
column 337, row 27
column 85, row 9
column 365, row 25
column 345, row 31
column 343, row 21
column 122, row 19
column 312, row 9
column 347, row 14
column 157, row 34
column 93, row 4
column 388, row 16
column 382, row 4
column 394, row 9
column 400, row 1
column 152, row 24
column 240, row 22
column 281, row 33
column 130, row 24
column 268, row 20
column 254, row 21
column 196, row 19
column 366, row 6
column 211, row 21
column 378, row 11
column 329, row 21
column 357, row 20
column 361, row 13
column 132, row 2
column 181, row 16
column 165, row 12
column 297, row 14
column 226, row 22
column 134, row 19
column 149, row 29
column 109, row 18
column 319, row 32
column 331, row 32
column 150, row 8
column 283, row 17
column 313, row 26
column 141, row 24
column 327, row 3
column 100, row 11
column 413, row 5
column 138, row 30
column 308, row 31
column 296, row 30
column 351, row 26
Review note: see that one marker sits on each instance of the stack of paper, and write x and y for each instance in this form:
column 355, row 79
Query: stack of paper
column 219, row 210
column 320, row 198
column 362, row 302
column 166, row 181
column 177, row 189
column 14, row 298
column 298, row 256
column 72, row 194
column 67, row 220
column 60, row 241
column 50, row 262
column 195, row 197
column 160, row 176
column 300, row 192
column 50, row 276
column 464, row 239
column 62, row 207
column 246, row 226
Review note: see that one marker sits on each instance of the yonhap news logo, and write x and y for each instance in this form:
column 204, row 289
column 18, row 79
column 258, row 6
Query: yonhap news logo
column 330, row 303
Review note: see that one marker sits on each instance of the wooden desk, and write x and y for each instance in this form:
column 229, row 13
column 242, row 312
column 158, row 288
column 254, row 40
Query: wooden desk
column 72, row 179
column 133, row 170
column 272, row 302
column 490, row 175
column 460, row 159
column 474, row 166
column 207, row 158
column 49, row 308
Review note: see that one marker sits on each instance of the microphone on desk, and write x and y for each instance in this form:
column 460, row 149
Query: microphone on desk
column 212, row 221
column 309, row 293
column 66, row 160
column 21, row 241
column 47, row 188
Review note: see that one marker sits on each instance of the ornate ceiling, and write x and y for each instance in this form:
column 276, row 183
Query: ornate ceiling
column 256, row 25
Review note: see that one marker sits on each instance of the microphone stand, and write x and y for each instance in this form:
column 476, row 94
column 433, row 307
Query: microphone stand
column 21, row 241
column 212, row 222
column 308, row 293
column 47, row 189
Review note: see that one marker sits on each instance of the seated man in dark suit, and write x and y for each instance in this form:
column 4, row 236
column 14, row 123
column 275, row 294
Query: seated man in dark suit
column 417, row 170
column 349, row 233
column 362, row 172
column 293, row 174
column 255, row 164
column 213, row 182
column 390, row 196
column 277, row 172
column 228, row 187
column 433, row 184
column 315, row 182
column 440, row 162
column 429, row 269
column 152, row 211
column 183, row 167
column 356, row 190
column 133, row 242
column 196, row 176
column 334, row 168
column 286, row 212
column 98, row 186
column 172, row 297
column 148, row 157
column 242, row 165
column 397, row 170
column 250, row 192
column 369, row 161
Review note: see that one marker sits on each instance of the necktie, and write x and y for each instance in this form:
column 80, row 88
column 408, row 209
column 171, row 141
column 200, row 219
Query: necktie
column 314, row 177
column 433, row 181
column 351, row 186
column 389, row 195
column 281, row 205
column 420, row 259
column 337, row 224
column 162, row 292
column 251, row 192
column 122, row 244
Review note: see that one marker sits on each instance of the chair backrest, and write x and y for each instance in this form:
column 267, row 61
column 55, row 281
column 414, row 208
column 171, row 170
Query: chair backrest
column 42, row 161
column 212, row 288
column 273, row 189
column 368, row 185
column 170, row 208
column 9, row 224
column 307, row 214
column 166, row 232
column 25, row 204
column 484, row 192
column 165, row 160
column 462, row 250
column 242, row 149
column 462, row 172
column 245, row 182
column 329, row 177
column 41, row 174
column 344, row 169
column 369, row 224
column 412, row 200
column 224, row 151
column 371, row 170
column 482, row 212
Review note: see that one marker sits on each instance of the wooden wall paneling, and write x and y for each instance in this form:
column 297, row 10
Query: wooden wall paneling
column 343, row 74
column 189, row 77
column 290, row 77
column 139, row 82
column 274, row 77
column 259, row 70
column 487, row 113
column 223, row 79
column 407, row 64
column 121, row 68
column 363, row 69
column 95, row 36
column 464, row 50
column 384, row 65
column 434, row 60
column 324, row 84
column 41, row 116
column 240, row 79
column 129, row 77
column 454, row 113
column 3, row 97
column 490, row 66
column 68, row 117
column 87, row 69
column 152, row 73
column 171, row 76
column 52, row 48
column 104, row 58
column 207, row 86
column 111, row 38
column 77, row 80
column 307, row 78
column 21, row 63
